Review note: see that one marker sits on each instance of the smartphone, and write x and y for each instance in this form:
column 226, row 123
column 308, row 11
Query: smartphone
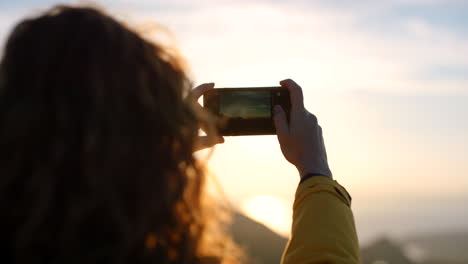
column 246, row 111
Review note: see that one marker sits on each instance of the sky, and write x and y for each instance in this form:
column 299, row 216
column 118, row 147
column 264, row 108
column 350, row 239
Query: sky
column 388, row 81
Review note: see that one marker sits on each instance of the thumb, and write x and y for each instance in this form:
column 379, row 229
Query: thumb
column 204, row 142
column 281, row 123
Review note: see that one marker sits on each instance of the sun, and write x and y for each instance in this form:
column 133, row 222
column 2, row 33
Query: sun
column 270, row 211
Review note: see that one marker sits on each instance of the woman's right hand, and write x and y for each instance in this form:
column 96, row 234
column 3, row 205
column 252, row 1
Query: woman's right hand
column 301, row 140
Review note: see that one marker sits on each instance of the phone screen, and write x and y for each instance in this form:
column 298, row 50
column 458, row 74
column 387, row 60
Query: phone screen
column 245, row 111
column 245, row 104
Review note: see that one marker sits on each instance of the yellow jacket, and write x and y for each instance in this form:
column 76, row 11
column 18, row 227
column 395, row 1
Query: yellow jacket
column 323, row 229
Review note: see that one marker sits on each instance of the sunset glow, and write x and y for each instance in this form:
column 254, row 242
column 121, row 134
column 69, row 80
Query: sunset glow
column 386, row 79
column 270, row 211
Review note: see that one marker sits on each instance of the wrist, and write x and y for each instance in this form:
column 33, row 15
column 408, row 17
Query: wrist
column 312, row 175
column 307, row 171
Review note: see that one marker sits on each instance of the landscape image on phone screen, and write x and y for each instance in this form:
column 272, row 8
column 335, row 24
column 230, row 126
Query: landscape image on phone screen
column 246, row 112
column 245, row 104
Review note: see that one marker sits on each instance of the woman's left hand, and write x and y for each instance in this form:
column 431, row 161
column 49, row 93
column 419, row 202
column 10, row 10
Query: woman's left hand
column 209, row 140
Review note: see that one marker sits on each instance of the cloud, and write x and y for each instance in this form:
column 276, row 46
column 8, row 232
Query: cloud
column 323, row 47
column 321, row 44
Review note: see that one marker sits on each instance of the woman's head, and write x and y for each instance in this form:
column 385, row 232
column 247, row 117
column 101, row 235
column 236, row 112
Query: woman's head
column 96, row 142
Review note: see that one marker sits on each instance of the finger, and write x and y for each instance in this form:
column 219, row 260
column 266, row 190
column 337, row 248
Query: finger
column 204, row 142
column 201, row 89
column 281, row 123
column 313, row 118
column 295, row 92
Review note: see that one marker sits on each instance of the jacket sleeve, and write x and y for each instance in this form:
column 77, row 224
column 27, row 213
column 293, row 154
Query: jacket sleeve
column 323, row 229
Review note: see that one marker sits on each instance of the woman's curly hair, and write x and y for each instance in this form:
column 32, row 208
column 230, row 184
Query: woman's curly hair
column 96, row 148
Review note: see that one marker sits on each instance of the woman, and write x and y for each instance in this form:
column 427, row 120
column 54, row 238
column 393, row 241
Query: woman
column 97, row 133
